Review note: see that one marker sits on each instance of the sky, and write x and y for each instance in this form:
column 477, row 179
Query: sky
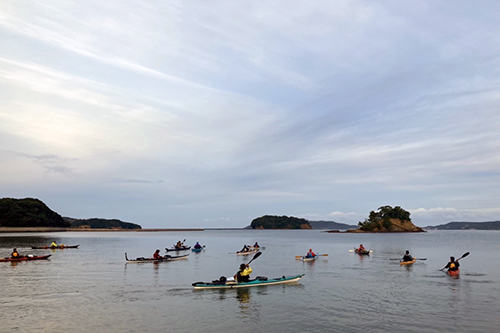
column 200, row 114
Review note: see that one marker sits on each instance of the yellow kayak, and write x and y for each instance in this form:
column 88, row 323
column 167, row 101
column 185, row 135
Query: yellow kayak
column 408, row 262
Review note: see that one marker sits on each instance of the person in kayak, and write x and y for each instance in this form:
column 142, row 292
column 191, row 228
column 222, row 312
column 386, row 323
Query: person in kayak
column 361, row 248
column 256, row 245
column 197, row 246
column 243, row 274
column 179, row 245
column 14, row 253
column 245, row 249
column 453, row 265
column 54, row 244
column 157, row 255
column 407, row 256
column 310, row 254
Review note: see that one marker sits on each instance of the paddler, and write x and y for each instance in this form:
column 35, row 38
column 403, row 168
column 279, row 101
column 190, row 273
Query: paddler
column 453, row 265
column 197, row 246
column 361, row 248
column 256, row 245
column 243, row 274
column 310, row 254
column 157, row 255
column 14, row 253
column 54, row 244
column 407, row 256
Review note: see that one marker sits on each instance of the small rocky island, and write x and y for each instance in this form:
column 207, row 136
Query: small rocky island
column 291, row 222
column 388, row 219
column 280, row 222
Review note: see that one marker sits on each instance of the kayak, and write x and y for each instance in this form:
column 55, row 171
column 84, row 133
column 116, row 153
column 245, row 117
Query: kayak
column 169, row 258
column 197, row 249
column 25, row 258
column 184, row 248
column 305, row 258
column 260, row 281
column 58, row 247
column 367, row 252
column 454, row 273
column 408, row 262
column 241, row 253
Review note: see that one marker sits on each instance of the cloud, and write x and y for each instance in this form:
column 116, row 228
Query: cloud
column 283, row 107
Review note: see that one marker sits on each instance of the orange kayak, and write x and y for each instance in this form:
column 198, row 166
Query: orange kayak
column 454, row 273
column 408, row 262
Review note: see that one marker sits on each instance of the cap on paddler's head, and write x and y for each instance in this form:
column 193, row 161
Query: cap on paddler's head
column 242, row 266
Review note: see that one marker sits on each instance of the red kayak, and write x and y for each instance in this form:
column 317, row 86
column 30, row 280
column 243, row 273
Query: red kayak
column 25, row 258
column 454, row 273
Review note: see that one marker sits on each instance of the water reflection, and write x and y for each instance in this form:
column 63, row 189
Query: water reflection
column 243, row 296
column 248, row 308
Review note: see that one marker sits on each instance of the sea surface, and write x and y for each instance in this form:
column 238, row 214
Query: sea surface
column 93, row 289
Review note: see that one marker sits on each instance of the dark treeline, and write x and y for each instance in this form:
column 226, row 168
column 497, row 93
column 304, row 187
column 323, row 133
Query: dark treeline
column 28, row 212
column 280, row 222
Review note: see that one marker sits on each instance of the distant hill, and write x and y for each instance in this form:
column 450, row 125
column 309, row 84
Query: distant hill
column 280, row 222
column 28, row 212
column 491, row 225
column 331, row 225
column 96, row 223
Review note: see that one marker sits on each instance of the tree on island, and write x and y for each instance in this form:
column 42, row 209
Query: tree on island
column 280, row 222
column 389, row 219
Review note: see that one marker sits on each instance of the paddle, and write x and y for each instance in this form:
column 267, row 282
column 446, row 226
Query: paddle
column 318, row 255
column 413, row 258
column 463, row 256
column 255, row 257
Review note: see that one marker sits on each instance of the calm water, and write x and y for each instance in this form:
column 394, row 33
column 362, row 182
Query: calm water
column 93, row 289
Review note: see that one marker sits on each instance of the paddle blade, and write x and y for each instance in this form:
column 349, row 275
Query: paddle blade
column 255, row 257
column 464, row 255
column 323, row 255
column 298, row 257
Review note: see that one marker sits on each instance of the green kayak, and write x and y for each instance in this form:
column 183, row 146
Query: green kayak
column 259, row 281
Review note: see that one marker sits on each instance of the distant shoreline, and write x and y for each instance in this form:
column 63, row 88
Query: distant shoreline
column 48, row 229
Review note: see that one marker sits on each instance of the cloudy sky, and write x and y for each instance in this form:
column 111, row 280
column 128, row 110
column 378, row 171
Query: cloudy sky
column 213, row 113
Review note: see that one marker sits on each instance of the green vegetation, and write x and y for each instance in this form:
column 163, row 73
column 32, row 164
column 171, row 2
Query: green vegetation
column 96, row 223
column 28, row 212
column 384, row 219
column 280, row 222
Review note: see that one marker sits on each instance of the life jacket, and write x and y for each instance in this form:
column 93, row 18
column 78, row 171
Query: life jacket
column 452, row 266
